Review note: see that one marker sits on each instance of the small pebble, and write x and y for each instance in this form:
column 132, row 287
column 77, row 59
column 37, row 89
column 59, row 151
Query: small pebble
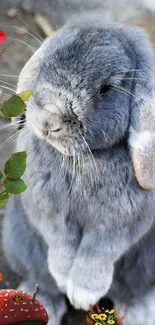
column 21, row 31
column 12, row 12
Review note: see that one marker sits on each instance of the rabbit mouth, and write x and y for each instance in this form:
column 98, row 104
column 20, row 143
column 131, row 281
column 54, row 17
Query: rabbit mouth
column 68, row 145
column 69, row 141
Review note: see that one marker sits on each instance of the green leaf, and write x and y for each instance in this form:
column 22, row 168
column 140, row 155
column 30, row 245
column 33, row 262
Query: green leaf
column 16, row 164
column 1, row 174
column 13, row 106
column 25, row 95
column 111, row 316
column 14, row 186
column 4, row 195
column 3, row 202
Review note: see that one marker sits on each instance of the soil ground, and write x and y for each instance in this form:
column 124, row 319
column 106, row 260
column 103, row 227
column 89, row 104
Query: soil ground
column 11, row 64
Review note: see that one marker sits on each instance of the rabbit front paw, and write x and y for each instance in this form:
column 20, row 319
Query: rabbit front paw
column 81, row 297
column 85, row 286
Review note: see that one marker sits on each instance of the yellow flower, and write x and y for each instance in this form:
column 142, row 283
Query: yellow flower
column 110, row 311
column 102, row 316
column 97, row 323
column 110, row 321
column 94, row 316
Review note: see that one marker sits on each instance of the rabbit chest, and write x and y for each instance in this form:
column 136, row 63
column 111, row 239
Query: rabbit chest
column 80, row 194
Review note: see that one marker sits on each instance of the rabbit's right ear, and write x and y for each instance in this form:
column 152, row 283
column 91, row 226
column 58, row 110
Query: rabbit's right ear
column 29, row 74
column 142, row 127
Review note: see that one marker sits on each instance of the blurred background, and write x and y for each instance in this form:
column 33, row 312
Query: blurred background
column 27, row 23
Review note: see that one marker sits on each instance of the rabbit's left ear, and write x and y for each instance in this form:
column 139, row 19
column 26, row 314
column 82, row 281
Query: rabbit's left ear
column 142, row 123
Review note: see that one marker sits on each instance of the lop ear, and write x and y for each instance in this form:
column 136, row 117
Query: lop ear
column 142, row 123
column 29, row 74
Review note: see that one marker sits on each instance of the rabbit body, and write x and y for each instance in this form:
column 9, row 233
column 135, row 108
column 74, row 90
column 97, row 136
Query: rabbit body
column 84, row 218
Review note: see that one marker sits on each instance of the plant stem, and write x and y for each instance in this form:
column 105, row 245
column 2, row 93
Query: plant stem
column 1, row 185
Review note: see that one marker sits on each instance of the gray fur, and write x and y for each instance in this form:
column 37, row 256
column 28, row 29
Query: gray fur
column 84, row 218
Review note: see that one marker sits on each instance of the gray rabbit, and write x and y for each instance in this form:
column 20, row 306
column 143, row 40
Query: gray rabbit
column 85, row 225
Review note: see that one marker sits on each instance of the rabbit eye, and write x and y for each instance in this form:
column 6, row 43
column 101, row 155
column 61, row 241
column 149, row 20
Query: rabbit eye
column 105, row 90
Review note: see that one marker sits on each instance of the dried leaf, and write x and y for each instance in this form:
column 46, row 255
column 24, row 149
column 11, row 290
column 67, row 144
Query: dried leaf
column 25, row 95
column 2, row 52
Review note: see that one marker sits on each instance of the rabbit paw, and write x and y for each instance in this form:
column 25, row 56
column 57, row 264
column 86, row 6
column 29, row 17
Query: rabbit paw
column 86, row 288
column 80, row 297
column 86, row 285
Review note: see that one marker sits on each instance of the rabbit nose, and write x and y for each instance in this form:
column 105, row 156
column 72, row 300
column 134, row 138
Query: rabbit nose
column 54, row 125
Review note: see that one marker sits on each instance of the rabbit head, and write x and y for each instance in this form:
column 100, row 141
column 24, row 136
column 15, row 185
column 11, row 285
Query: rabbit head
column 92, row 88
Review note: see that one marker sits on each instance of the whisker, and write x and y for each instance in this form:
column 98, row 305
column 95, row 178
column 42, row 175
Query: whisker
column 66, row 160
column 92, row 159
column 9, row 75
column 61, row 168
column 8, row 88
column 24, row 22
column 22, row 42
column 10, row 125
column 71, row 184
column 7, row 83
column 80, row 163
column 6, row 94
column 24, row 31
column 17, row 122
column 123, row 90
column 6, row 126
column 130, row 78
column 133, row 70
column 11, row 136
